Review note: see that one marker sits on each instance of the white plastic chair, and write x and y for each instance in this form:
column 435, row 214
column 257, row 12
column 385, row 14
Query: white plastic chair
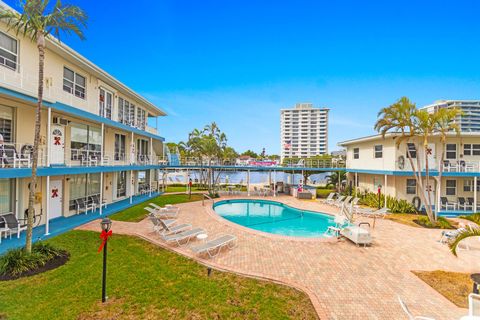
column 409, row 314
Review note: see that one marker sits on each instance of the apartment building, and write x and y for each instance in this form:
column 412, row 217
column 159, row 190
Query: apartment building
column 468, row 120
column 304, row 131
column 375, row 162
column 97, row 148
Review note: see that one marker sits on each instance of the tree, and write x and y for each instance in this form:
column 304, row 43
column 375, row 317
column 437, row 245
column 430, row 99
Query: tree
column 37, row 24
column 411, row 126
column 464, row 234
column 250, row 153
column 336, row 179
column 229, row 154
column 401, row 119
column 445, row 124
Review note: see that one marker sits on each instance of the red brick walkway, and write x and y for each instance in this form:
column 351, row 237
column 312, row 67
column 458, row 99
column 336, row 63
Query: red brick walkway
column 343, row 281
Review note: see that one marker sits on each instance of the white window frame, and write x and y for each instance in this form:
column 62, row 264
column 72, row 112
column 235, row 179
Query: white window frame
column 4, row 63
column 450, row 187
column 409, row 187
column 471, row 149
column 102, row 109
column 356, row 153
column 447, row 151
column 375, row 152
column 73, row 90
column 467, row 185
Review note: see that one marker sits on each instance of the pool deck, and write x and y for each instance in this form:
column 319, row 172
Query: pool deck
column 342, row 280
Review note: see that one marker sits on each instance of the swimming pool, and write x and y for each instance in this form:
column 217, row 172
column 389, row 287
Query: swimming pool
column 274, row 217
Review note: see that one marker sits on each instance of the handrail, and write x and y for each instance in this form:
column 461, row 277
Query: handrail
column 208, row 197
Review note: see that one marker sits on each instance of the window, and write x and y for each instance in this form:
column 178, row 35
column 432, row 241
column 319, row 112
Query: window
column 74, row 83
column 467, row 185
column 411, row 186
column 143, row 180
column 142, row 150
column 471, row 149
column 451, row 187
column 120, row 147
column 105, row 101
column 6, row 123
column 121, row 183
column 378, row 151
column 83, row 186
column 8, row 51
column 126, row 112
column 451, row 151
column 411, row 150
column 6, row 200
column 356, row 153
column 141, row 119
column 85, row 141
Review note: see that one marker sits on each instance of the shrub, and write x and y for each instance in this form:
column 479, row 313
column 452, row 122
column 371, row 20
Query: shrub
column 441, row 223
column 395, row 205
column 473, row 217
column 323, row 193
column 16, row 261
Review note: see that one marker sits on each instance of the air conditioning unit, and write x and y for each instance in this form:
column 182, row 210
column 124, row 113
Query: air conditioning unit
column 60, row 121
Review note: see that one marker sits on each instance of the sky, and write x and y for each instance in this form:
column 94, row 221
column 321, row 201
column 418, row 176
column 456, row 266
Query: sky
column 238, row 62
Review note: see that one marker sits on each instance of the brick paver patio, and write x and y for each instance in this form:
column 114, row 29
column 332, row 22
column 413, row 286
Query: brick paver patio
column 342, row 280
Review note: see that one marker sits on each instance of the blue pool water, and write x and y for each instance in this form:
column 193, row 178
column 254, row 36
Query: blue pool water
column 274, row 217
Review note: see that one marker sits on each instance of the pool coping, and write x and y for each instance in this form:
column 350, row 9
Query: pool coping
column 211, row 212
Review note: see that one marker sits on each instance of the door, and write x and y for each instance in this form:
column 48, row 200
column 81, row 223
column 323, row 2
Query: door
column 432, row 163
column 55, row 198
column 57, row 145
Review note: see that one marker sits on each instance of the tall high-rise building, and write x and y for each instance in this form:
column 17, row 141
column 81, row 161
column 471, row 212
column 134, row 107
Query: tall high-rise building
column 304, row 131
column 469, row 120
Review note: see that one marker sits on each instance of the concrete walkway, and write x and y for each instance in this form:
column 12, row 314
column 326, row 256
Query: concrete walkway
column 342, row 280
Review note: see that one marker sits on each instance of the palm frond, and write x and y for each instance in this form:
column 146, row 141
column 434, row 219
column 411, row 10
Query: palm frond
column 462, row 235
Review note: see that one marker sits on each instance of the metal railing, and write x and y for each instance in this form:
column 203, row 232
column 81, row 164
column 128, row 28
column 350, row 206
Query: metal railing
column 206, row 196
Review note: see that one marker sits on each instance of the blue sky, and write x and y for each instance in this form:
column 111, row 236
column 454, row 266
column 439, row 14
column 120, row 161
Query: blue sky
column 239, row 62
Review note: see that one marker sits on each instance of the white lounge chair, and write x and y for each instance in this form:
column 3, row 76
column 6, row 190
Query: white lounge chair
column 171, row 228
column 474, row 305
column 344, row 202
column 161, row 213
column 213, row 247
column 182, row 237
column 339, row 200
column 329, row 198
column 409, row 314
column 157, row 225
column 168, row 207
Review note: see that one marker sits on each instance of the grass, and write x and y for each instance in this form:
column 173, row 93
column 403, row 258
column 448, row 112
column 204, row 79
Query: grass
column 454, row 286
column 323, row 193
column 144, row 282
column 138, row 213
column 413, row 220
column 473, row 217
column 171, row 189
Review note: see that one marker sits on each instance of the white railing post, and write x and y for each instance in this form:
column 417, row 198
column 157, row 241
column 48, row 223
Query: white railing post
column 475, row 194
column 103, row 146
column 101, row 194
column 49, row 129
column 47, row 209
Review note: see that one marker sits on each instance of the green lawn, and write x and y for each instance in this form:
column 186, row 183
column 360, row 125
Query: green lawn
column 144, row 282
column 138, row 213
column 171, row 189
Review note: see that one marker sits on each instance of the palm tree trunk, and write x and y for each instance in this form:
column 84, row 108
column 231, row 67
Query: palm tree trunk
column 36, row 142
column 428, row 204
column 440, row 173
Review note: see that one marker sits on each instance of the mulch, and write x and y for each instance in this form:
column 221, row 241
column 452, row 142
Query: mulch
column 50, row 265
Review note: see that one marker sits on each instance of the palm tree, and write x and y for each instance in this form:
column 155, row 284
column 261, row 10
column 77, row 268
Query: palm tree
column 336, row 179
column 445, row 123
column 464, row 234
column 407, row 123
column 38, row 24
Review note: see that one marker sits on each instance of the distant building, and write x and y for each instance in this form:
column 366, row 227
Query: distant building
column 469, row 120
column 304, row 131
